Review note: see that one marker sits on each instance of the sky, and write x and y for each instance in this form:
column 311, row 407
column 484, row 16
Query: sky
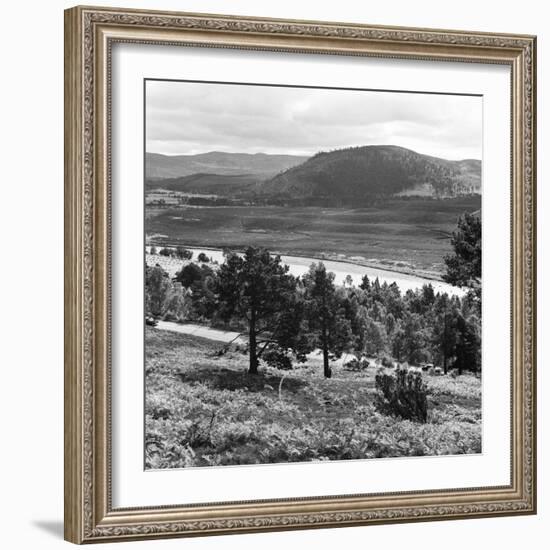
column 186, row 118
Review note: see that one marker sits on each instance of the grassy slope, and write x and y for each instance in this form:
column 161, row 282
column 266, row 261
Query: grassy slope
column 206, row 410
column 415, row 231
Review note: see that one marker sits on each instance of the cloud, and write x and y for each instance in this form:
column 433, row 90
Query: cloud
column 190, row 118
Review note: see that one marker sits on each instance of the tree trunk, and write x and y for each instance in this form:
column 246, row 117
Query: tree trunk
column 460, row 361
column 326, row 368
column 445, row 368
column 252, row 345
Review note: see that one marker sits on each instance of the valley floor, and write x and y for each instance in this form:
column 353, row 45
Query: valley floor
column 405, row 235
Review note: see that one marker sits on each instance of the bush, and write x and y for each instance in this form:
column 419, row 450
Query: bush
column 387, row 361
column 202, row 257
column 277, row 358
column 402, row 394
column 357, row 365
column 242, row 349
column 183, row 253
column 168, row 252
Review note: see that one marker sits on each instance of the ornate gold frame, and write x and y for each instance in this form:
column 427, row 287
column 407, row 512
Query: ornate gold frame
column 89, row 34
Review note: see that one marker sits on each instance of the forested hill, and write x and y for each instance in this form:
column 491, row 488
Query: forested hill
column 374, row 171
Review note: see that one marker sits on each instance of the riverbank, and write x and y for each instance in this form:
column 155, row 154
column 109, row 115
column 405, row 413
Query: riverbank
column 299, row 265
column 394, row 266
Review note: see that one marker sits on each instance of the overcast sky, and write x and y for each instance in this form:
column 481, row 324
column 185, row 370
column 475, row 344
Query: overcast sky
column 188, row 118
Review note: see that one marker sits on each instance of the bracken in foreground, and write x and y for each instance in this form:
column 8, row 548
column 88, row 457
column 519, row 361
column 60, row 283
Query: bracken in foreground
column 204, row 410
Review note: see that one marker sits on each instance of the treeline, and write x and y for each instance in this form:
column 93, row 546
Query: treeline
column 254, row 293
column 180, row 253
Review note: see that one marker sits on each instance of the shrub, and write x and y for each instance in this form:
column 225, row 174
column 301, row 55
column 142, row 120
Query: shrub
column 202, row 257
column 241, row 348
column 387, row 361
column 277, row 358
column 402, row 394
column 177, row 304
column 183, row 253
column 357, row 365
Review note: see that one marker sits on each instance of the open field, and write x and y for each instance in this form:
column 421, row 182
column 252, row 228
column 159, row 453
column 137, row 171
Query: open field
column 203, row 409
column 415, row 231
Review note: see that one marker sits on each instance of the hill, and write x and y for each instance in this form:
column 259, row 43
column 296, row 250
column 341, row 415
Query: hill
column 373, row 172
column 207, row 184
column 262, row 165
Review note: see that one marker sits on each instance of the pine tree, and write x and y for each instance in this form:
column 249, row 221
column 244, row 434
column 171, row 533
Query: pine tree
column 256, row 288
column 327, row 320
column 468, row 347
column 157, row 287
column 464, row 265
column 444, row 330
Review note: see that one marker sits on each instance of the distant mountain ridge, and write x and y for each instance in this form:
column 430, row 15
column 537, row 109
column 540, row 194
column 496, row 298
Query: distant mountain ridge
column 261, row 165
column 374, row 171
column 354, row 175
column 231, row 185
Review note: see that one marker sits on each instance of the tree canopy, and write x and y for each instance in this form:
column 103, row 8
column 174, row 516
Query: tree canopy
column 330, row 328
column 464, row 265
column 255, row 287
column 292, row 316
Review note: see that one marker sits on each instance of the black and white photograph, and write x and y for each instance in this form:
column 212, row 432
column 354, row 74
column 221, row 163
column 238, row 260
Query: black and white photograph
column 312, row 277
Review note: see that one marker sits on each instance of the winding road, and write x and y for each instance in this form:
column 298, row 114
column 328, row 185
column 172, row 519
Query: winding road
column 225, row 336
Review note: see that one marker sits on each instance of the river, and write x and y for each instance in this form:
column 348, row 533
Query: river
column 298, row 266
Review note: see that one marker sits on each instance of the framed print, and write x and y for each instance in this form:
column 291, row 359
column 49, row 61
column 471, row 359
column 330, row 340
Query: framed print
column 300, row 274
